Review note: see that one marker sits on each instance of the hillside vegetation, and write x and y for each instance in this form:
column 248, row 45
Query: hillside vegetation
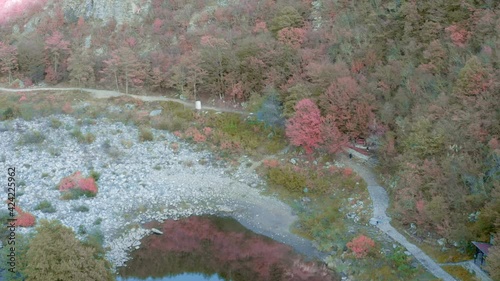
column 420, row 79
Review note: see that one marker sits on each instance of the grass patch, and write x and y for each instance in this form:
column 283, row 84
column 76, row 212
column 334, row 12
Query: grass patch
column 450, row 255
column 34, row 137
column 460, row 273
column 81, row 208
column 81, row 137
column 321, row 221
column 55, row 123
column 75, row 193
column 95, row 175
column 145, row 134
column 45, row 206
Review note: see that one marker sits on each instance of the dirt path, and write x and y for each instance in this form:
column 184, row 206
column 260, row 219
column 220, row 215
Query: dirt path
column 380, row 201
column 104, row 94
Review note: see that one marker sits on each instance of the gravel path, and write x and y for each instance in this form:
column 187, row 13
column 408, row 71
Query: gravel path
column 104, row 94
column 380, row 201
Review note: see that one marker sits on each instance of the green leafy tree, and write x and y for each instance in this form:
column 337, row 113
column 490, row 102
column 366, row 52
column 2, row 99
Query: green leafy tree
column 81, row 68
column 286, row 17
column 56, row 254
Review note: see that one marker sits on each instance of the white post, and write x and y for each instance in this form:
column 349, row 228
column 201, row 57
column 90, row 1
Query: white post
column 197, row 105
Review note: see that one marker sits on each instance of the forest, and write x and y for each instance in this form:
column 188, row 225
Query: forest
column 420, row 80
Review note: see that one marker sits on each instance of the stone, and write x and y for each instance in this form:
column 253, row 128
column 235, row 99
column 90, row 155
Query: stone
column 441, row 241
column 130, row 106
column 156, row 231
column 154, row 113
column 374, row 221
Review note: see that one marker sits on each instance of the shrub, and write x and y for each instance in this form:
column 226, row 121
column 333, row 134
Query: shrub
column 34, row 137
column 24, row 219
column 46, row 207
column 95, row 175
column 82, row 138
column 76, row 185
column 287, row 178
column 81, row 208
column 9, row 113
column 56, row 254
column 55, row 123
column 145, row 134
column 361, row 246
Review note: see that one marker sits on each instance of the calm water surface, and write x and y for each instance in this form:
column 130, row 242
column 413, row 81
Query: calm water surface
column 216, row 249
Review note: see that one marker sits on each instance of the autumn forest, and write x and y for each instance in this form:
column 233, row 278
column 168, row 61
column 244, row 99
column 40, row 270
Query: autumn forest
column 419, row 80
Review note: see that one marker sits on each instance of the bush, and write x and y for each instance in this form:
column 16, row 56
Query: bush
column 95, row 175
column 24, row 219
column 145, row 134
column 46, row 207
column 56, row 254
column 76, row 186
column 55, row 123
column 287, row 178
column 81, row 208
column 83, row 138
column 34, row 137
column 9, row 113
column 21, row 247
column 361, row 246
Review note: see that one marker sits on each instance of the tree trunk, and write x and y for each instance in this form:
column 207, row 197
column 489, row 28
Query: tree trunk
column 116, row 82
column 126, row 81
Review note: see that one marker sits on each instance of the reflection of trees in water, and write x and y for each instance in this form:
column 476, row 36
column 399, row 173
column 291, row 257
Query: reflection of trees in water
column 212, row 245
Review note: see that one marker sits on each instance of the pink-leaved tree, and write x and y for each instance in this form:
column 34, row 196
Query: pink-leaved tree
column 304, row 128
column 8, row 59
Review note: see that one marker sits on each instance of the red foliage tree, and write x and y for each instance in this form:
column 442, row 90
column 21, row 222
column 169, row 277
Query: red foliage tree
column 304, row 128
column 292, row 36
column 8, row 59
column 56, row 51
column 361, row 246
column 352, row 111
column 334, row 140
column 125, row 68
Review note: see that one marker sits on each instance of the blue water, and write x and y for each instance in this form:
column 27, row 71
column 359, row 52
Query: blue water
column 181, row 277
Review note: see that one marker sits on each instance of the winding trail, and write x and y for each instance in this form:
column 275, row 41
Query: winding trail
column 104, row 94
column 378, row 194
column 380, row 201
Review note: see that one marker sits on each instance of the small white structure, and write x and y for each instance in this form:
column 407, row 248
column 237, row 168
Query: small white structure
column 197, row 105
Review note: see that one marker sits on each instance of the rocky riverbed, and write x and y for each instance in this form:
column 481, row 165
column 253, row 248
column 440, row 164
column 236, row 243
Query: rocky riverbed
column 139, row 181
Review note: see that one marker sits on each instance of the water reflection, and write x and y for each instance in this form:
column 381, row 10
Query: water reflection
column 212, row 245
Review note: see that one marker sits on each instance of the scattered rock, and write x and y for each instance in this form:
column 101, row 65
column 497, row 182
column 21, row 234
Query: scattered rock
column 154, row 113
column 441, row 242
column 156, row 231
column 129, row 106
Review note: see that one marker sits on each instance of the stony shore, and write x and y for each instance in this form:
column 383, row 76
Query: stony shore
column 139, row 182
